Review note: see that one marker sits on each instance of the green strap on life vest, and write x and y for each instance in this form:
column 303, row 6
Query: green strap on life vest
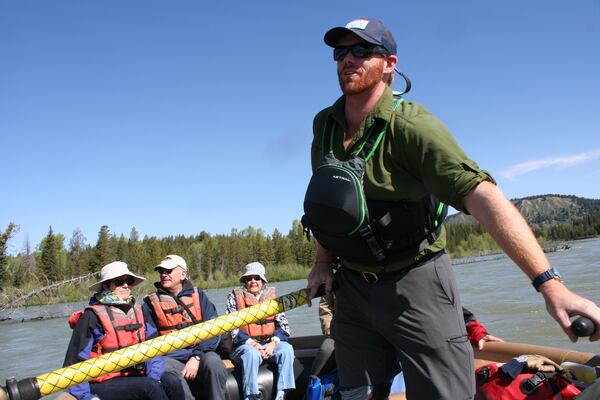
column 357, row 152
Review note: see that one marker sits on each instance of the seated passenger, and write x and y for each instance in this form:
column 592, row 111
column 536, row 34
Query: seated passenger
column 264, row 341
column 110, row 322
column 177, row 304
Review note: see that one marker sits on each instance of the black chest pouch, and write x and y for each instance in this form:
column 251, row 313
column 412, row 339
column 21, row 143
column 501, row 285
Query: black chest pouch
column 338, row 214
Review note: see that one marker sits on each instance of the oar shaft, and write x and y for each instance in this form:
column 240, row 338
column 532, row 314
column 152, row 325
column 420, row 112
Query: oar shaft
column 93, row 368
column 503, row 352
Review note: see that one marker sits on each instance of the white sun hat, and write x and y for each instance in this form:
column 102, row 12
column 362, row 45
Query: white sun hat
column 254, row 268
column 114, row 270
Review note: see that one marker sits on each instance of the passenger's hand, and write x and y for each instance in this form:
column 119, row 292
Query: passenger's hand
column 561, row 304
column 268, row 350
column 190, row 369
column 487, row 338
column 320, row 273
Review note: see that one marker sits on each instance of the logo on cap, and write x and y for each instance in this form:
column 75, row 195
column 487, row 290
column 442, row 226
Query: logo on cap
column 357, row 24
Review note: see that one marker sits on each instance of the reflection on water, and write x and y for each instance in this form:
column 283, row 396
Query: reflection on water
column 495, row 290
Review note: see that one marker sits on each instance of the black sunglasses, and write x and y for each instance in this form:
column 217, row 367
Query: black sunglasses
column 120, row 281
column 360, row 50
column 252, row 278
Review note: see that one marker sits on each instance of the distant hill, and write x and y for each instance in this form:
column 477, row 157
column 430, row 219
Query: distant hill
column 546, row 209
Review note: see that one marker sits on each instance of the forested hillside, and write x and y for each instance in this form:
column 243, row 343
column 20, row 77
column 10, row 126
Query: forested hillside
column 544, row 209
column 213, row 260
column 552, row 217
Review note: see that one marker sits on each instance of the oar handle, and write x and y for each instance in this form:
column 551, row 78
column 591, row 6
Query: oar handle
column 583, row 327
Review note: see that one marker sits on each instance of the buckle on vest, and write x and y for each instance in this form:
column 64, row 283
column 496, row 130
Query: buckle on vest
column 529, row 386
column 370, row 277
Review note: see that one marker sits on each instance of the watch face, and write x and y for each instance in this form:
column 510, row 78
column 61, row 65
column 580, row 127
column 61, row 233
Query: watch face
column 556, row 273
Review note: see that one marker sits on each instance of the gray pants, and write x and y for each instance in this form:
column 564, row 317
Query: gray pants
column 210, row 382
column 414, row 317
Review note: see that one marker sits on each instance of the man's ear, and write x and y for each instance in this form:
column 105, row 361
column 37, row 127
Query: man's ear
column 390, row 64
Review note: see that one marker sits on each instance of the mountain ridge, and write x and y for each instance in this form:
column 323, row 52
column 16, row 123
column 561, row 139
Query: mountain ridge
column 544, row 209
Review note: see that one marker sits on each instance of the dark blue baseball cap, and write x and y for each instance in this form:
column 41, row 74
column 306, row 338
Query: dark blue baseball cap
column 370, row 29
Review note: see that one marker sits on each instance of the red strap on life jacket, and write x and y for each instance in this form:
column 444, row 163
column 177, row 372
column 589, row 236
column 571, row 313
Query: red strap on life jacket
column 493, row 384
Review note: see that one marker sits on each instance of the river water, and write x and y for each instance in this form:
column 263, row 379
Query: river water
column 492, row 287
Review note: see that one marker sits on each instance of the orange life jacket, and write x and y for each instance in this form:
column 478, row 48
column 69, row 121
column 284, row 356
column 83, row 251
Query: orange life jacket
column 174, row 313
column 120, row 330
column 261, row 331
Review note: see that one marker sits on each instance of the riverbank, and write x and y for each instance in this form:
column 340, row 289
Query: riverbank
column 486, row 255
column 77, row 292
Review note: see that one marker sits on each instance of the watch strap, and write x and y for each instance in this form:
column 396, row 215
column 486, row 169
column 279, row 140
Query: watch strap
column 549, row 274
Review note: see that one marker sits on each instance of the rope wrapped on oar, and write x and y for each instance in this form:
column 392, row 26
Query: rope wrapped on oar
column 63, row 378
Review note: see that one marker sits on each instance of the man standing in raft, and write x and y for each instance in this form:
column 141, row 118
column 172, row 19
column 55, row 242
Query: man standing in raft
column 396, row 293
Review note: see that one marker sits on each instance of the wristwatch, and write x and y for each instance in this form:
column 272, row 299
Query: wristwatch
column 549, row 274
column 197, row 357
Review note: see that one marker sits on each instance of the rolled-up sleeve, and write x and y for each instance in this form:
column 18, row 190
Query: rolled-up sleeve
column 433, row 156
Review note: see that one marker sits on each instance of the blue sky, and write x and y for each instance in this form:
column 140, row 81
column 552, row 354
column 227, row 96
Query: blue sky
column 183, row 116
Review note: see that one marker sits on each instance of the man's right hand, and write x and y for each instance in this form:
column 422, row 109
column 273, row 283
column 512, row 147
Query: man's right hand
column 562, row 304
column 321, row 273
column 190, row 369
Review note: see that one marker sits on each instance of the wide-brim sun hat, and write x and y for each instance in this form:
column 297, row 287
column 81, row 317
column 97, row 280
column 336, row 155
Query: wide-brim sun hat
column 114, row 270
column 254, row 268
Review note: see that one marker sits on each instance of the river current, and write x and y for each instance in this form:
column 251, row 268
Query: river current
column 493, row 288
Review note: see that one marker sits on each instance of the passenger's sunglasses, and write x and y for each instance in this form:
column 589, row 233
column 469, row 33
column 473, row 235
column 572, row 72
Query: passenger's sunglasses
column 164, row 271
column 121, row 281
column 252, row 278
column 360, row 50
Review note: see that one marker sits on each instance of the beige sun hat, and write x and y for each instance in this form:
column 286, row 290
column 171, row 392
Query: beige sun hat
column 254, row 268
column 114, row 270
column 172, row 261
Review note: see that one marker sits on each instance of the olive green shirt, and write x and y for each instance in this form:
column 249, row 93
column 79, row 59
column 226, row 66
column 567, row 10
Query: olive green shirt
column 417, row 156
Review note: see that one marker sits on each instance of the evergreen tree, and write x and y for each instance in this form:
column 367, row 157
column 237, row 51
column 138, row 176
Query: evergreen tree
column 122, row 248
column 15, row 265
column 281, row 249
column 135, row 251
column 102, row 253
column 303, row 250
column 49, row 256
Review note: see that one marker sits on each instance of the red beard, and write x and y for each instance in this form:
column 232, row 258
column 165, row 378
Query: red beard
column 370, row 77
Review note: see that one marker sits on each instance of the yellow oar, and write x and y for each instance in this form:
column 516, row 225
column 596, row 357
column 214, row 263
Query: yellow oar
column 63, row 378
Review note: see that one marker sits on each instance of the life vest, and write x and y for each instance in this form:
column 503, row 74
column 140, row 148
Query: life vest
column 494, row 384
column 344, row 221
column 261, row 331
column 174, row 313
column 120, row 330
